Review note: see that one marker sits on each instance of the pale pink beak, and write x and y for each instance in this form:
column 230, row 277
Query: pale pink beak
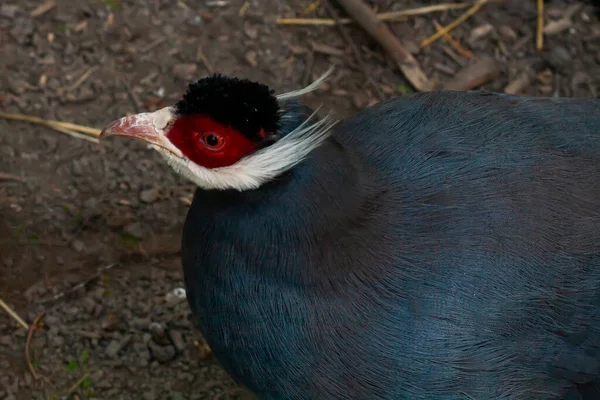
column 149, row 127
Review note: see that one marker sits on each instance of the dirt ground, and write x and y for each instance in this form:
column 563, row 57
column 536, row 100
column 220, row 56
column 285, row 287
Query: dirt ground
column 89, row 234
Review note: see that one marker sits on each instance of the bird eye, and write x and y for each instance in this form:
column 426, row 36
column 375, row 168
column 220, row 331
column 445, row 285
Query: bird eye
column 212, row 141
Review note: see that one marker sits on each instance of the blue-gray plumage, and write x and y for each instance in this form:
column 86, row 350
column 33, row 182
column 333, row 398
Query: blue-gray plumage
column 438, row 246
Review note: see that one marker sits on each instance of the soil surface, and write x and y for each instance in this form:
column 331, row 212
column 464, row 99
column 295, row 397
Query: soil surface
column 90, row 234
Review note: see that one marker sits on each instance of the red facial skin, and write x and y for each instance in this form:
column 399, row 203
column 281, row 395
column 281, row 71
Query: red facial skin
column 208, row 143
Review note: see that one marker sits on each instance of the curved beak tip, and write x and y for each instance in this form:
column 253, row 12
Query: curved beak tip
column 148, row 127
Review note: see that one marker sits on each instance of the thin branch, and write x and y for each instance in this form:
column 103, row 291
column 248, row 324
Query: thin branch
column 82, row 78
column 539, row 42
column 13, row 314
column 355, row 50
column 386, row 16
column 454, row 23
column 367, row 19
column 32, row 328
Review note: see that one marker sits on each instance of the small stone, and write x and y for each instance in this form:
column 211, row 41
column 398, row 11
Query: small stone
column 6, row 340
column 184, row 72
column 142, row 351
column 78, row 246
column 113, row 348
column 109, row 323
column 8, row 11
column 149, row 196
column 134, row 229
column 162, row 354
column 149, row 396
column 159, row 335
column 508, row 32
column 252, row 58
column 359, row 100
column 17, row 86
column 146, row 337
column 560, row 57
column 89, row 305
column 251, row 31
column 480, row 32
column 141, row 324
column 177, row 340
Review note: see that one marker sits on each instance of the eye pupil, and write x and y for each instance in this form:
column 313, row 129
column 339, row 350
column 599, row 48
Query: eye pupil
column 212, row 140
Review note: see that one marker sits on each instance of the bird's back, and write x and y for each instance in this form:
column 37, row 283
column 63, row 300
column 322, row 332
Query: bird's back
column 458, row 257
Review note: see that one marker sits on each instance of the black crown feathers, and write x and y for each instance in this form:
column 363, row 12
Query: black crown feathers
column 242, row 104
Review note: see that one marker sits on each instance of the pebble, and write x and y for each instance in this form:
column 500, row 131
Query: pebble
column 159, row 334
column 16, row 86
column 134, row 229
column 6, row 340
column 149, row 195
column 113, row 348
column 89, row 305
column 78, row 246
column 149, row 396
column 8, row 11
column 146, row 337
column 162, row 354
column 184, row 72
column 560, row 57
column 140, row 324
column 177, row 340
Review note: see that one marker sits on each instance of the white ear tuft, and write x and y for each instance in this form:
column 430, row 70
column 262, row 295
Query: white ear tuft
column 310, row 88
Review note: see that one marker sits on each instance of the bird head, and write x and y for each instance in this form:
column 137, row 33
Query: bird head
column 226, row 133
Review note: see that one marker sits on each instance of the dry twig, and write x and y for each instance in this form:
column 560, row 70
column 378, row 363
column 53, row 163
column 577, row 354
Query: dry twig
column 67, row 128
column 82, row 78
column 355, row 50
column 539, row 39
column 409, row 66
column 32, row 328
column 455, row 43
column 454, row 24
column 80, row 285
column 43, row 8
column 13, row 314
column 202, row 57
column 76, row 384
column 10, row 177
column 244, row 9
column 386, row 16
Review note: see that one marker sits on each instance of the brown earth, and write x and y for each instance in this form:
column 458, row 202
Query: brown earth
column 70, row 208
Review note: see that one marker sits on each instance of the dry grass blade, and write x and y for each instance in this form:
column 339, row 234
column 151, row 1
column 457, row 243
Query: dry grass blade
column 82, row 79
column 453, row 24
column 386, row 16
column 74, row 130
column 13, row 314
column 539, row 42
column 455, row 43
column 43, row 8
